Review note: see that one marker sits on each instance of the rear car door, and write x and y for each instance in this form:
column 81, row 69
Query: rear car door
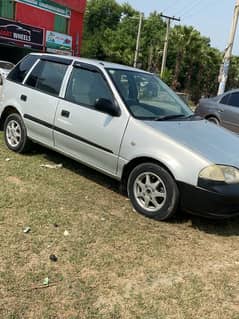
column 82, row 131
column 40, row 97
column 229, row 107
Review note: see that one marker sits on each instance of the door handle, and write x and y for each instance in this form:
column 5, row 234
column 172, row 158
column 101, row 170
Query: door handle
column 65, row 113
column 23, row 97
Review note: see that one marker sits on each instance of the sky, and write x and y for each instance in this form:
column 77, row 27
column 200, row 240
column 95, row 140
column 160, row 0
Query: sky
column 212, row 18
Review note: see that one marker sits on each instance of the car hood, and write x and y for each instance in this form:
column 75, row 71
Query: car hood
column 213, row 143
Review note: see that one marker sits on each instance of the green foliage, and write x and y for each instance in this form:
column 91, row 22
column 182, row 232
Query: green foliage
column 167, row 76
column 192, row 64
column 233, row 77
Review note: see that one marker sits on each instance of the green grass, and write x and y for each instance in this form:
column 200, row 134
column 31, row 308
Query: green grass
column 115, row 263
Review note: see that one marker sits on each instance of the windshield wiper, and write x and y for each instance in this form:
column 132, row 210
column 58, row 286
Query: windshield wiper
column 168, row 117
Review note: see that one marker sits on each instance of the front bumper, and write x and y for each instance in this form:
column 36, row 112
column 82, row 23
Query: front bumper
column 223, row 202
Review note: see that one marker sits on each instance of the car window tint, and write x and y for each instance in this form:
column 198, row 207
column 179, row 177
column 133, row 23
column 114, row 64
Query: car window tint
column 234, row 99
column 47, row 77
column 86, row 86
column 19, row 72
column 224, row 100
column 122, row 82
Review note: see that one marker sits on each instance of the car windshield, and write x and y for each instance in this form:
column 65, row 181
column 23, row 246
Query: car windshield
column 147, row 97
column 6, row 65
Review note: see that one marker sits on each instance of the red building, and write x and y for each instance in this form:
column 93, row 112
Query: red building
column 54, row 26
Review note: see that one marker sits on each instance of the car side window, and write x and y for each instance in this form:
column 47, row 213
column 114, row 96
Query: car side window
column 85, row 87
column 225, row 98
column 233, row 99
column 47, row 76
column 20, row 71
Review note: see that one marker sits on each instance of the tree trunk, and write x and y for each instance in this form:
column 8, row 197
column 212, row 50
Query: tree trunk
column 179, row 58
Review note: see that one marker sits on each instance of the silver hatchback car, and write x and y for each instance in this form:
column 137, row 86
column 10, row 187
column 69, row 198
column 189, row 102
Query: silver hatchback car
column 128, row 124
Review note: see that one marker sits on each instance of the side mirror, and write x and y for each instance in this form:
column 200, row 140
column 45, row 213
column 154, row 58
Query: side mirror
column 107, row 106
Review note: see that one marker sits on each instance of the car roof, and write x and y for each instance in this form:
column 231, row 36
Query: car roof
column 231, row 91
column 98, row 63
column 218, row 97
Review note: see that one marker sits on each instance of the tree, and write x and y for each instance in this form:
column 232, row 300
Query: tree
column 233, row 76
column 100, row 16
column 110, row 32
column 152, row 42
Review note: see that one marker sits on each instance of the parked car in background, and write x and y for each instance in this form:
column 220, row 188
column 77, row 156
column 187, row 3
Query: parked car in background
column 183, row 96
column 125, row 123
column 5, row 68
column 222, row 110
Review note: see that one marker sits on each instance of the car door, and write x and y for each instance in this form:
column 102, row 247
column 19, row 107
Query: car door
column 229, row 108
column 82, row 131
column 40, row 98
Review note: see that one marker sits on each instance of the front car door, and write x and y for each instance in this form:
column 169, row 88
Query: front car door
column 229, row 108
column 91, row 136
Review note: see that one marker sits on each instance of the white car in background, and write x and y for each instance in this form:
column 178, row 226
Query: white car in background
column 5, row 68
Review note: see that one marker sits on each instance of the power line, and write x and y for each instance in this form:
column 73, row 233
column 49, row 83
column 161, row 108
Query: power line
column 192, row 9
column 171, row 6
column 186, row 8
column 194, row 13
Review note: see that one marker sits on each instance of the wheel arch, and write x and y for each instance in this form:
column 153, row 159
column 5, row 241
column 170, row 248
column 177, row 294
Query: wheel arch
column 6, row 112
column 135, row 162
column 213, row 115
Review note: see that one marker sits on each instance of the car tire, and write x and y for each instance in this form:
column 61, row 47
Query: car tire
column 1, row 80
column 15, row 134
column 153, row 191
column 213, row 120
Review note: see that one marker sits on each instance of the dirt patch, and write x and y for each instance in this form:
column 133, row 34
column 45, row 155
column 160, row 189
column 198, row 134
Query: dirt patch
column 14, row 180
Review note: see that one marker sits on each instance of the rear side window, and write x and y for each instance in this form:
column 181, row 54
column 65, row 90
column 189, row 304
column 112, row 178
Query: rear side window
column 234, row 99
column 19, row 72
column 47, row 76
column 225, row 98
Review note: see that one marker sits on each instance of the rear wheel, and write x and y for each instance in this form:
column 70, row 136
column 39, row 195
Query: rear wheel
column 153, row 191
column 15, row 134
column 213, row 119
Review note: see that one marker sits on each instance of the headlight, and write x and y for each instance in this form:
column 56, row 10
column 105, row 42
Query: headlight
column 220, row 173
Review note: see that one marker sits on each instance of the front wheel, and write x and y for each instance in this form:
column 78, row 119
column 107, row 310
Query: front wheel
column 213, row 120
column 153, row 191
column 15, row 134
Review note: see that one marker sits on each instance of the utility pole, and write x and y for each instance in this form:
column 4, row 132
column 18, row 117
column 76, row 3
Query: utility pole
column 165, row 50
column 138, row 40
column 228, row 52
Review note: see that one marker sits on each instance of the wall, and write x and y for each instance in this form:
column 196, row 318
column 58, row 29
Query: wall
column 44, row 19
column 33, row 16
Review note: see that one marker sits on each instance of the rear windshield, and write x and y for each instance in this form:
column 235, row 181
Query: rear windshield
column 6, row 65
